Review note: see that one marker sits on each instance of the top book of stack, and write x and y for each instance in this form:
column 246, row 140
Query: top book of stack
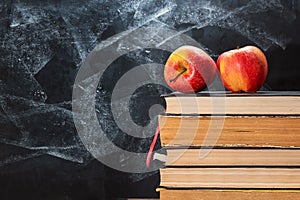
column 226, row 103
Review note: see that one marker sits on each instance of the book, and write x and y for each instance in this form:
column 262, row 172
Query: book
column 230, row 131
column 226, row 103
column 232, row 157
column 227, row 194
column 230, row 177
column 230, row 146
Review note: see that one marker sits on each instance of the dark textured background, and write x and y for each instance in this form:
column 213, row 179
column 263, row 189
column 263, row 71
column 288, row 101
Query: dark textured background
column 42, row 46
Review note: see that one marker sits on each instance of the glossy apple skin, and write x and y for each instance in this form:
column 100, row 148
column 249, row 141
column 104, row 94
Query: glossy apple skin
column 243, row 70
column 189, row 69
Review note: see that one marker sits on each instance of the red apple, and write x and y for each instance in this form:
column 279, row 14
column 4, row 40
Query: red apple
column 189, row 69
column 243, row 69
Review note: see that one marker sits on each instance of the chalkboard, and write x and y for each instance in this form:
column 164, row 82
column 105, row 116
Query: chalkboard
column 44, row 47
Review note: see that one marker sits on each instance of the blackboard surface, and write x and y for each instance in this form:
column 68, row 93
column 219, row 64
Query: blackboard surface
column 43, row 45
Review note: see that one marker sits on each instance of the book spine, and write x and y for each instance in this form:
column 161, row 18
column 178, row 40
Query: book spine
column 230, row 131
column 196, row 194
column 232, row 177
column 233, row 157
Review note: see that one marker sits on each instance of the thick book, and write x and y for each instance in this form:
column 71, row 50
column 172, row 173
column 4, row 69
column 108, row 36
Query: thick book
column 232, row 157
column 227, row 194
column 230, row 131
column 220, row 103
column 230, row 177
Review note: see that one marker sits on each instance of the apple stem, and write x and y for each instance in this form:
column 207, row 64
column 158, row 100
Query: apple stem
column 176, row 77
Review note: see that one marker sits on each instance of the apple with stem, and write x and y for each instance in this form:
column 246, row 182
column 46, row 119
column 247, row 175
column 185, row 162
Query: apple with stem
column 243, row 69
column 189, row 69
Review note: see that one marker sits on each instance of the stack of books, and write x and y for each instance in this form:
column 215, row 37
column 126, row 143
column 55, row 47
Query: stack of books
column 231, row 146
